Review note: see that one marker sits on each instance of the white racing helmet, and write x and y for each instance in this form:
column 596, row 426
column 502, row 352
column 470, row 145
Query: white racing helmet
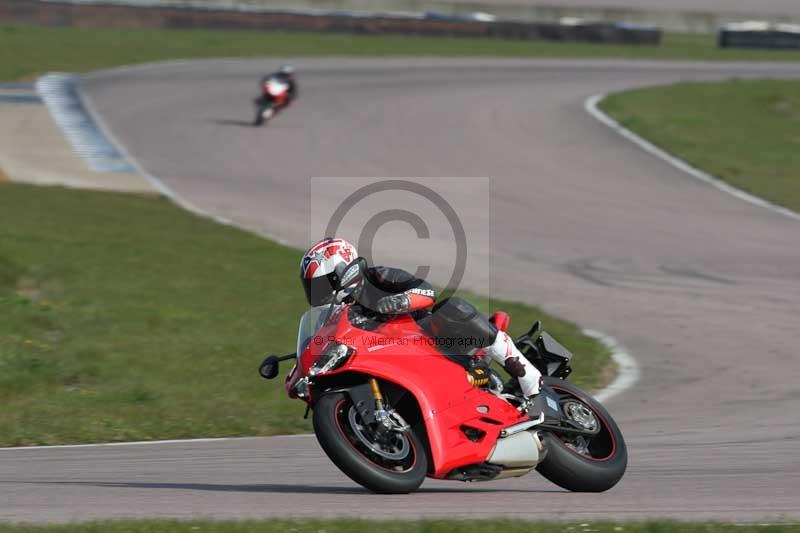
column 322, row 266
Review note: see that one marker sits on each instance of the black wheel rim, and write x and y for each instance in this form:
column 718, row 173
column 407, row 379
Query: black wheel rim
column 399, row 453
column 598, row 447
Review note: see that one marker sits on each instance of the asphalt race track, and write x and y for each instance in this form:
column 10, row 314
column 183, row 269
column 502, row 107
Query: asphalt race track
column 701, row 287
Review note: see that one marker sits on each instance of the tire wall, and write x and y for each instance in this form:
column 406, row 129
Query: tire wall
column 119, row 15
column 759, row 39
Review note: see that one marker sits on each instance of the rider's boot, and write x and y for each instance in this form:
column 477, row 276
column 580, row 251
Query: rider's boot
column 504, row 351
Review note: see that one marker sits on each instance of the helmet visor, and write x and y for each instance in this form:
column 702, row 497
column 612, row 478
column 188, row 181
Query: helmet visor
column 319, row 291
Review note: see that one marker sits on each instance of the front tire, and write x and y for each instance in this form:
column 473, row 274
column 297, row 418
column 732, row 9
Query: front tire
column 261, row 111
column 335, row 427
column 259, row 118
column 589, row 465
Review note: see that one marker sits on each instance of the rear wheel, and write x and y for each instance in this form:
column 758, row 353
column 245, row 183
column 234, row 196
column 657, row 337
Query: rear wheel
column 583, row 463
column 393, row 462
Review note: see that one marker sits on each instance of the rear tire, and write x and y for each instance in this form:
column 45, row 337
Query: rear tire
column 331, row 428
column 601, row 466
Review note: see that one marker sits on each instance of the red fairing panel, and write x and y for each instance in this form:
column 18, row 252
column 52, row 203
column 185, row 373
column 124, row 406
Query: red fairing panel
column 457, row 450
column 401, row 353
column 446, row 398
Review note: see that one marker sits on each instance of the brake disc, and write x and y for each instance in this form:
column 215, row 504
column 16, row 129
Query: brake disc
column 396, row 447
column 581, row 415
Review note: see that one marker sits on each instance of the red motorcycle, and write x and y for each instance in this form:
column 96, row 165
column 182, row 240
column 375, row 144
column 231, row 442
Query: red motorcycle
column 394, row 400
column 274, row 96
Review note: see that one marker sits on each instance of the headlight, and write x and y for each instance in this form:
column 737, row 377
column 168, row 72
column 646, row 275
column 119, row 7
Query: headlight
column 332, row 358
column 301, row 388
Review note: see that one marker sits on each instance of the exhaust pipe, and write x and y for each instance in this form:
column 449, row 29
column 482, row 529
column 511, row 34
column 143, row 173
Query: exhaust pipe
column 517, row 451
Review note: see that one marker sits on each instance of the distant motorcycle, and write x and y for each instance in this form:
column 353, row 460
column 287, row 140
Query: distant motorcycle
column 274, row 97
column 393, row 404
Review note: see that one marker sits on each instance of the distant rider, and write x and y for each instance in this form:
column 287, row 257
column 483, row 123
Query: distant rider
column 392, row 291
column 283, row 75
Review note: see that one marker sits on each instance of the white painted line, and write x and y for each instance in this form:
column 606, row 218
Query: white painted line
column 159, row 185
column 59, row 94
column 147, row 442
column 628, row 375
column 162, row 187
column 628, row 369
column 592, row 107
column 104, row 444
column 628, row 372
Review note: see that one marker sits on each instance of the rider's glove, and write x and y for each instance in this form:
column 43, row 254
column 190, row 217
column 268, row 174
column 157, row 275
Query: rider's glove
column 393, row 305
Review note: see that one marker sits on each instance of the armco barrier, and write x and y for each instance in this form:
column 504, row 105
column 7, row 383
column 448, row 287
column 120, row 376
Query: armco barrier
column 760, row 35
column 110, row 14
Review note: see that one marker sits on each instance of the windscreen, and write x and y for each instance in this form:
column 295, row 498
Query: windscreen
column 310, row 323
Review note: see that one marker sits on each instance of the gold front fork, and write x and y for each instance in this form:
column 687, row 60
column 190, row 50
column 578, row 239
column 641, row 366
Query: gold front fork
column 376, row 393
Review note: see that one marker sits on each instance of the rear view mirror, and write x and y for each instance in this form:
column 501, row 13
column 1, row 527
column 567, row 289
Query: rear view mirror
column 269, row 367
column 353, row 273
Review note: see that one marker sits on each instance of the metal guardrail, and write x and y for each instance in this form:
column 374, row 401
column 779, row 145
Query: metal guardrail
column 146, row 13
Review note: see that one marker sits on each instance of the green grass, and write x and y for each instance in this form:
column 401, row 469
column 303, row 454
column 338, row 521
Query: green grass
column 127, row 318
column 396, row 526
column 28, row 51
column 745, row 132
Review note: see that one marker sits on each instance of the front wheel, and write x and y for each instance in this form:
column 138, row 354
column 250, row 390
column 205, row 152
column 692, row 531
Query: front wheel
column 579, row 463
column 264, row 112
column 391, row 463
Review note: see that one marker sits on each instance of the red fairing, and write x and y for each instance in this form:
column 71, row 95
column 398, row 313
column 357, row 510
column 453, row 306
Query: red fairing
column 401, row 353
column 291, row 380
column 280, row 99
column 501, row 320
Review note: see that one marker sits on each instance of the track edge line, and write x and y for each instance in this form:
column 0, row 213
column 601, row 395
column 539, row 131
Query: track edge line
column 592, row 106
column 147, row 442
column 628, row 372
column 156, row 182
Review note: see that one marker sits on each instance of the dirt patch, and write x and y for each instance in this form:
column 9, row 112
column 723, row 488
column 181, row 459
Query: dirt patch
column 28, row 288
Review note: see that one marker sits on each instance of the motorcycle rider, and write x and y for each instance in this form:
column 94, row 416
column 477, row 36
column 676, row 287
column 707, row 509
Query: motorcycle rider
column 393, row 291
column 285, row 74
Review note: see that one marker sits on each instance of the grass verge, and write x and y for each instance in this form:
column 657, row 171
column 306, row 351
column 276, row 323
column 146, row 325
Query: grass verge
column 396, row 526
column 127, row 318
column 744, row 132
column 29, row 51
